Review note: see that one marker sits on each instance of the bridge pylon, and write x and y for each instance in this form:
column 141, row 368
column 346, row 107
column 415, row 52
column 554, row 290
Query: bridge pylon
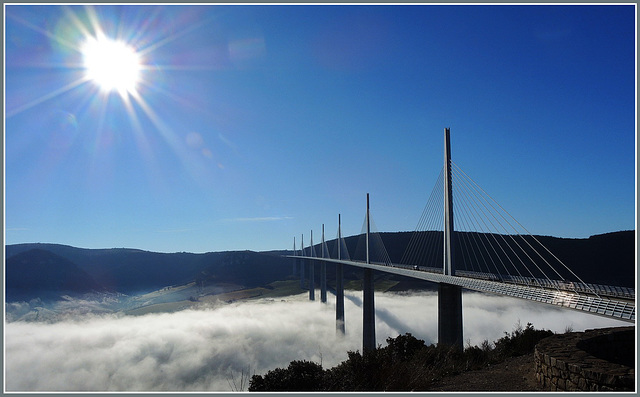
column 449, row 296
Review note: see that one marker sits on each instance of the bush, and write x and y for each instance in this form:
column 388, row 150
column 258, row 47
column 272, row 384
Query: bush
column 404, row 347
column 299, row 376
column 520, row 342
column 405, row 364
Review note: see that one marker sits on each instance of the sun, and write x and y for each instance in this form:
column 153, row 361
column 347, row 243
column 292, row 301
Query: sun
column 111, row 64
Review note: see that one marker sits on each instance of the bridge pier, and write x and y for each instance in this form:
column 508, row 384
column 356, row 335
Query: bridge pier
column 368, row 313
column 339, row 286
column 339, row 299
column 323, row 282
column 302, row 263
column 312, row 284
column 323, row 271
column 450, row 315
column 302, row 266
column 312, row 278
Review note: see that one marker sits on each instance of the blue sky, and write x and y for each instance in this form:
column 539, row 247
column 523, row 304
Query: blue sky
column 254, row 124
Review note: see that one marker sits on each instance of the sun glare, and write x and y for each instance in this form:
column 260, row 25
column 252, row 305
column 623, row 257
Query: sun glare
column 111, row 64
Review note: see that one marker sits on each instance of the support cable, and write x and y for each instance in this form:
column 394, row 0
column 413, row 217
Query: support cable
column 465, row 239
column 472, row 235
column 463, row 199
column 479, row 188
column 379, row 250
column 433, row 236
column 419, row 242
column 344, row 252
column 462, row 181
column 484, row 208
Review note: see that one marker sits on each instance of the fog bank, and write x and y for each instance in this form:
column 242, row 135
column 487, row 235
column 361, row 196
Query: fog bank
column 199, row 350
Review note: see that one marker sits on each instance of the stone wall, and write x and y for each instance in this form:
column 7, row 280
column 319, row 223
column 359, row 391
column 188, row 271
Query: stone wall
column 594, row 360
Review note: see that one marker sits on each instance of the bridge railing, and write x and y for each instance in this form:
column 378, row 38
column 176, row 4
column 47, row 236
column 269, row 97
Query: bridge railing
column 586, row 288
column 607, row 306
column 563, row 285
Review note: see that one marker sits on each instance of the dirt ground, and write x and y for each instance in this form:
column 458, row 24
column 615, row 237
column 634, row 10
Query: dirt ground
column 514, row 374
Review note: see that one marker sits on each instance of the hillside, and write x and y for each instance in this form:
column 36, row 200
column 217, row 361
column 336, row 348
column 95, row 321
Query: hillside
column 42, row 273
column 133, row 272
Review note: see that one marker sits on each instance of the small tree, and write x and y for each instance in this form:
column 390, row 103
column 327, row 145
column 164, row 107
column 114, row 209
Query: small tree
column 520, row 342
column 298, row 376
column 404, row 347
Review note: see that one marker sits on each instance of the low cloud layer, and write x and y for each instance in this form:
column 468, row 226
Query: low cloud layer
column 200, row 350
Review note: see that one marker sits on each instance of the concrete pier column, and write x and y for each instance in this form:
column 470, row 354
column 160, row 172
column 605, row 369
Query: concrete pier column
column 339, row 287
column 323, row 272
column 368, row 317
column 302, row 263
column 450, row 315
column 312, row 284
column 312, row 281
column 340, row 299
column 323, row 282
column 302, row 266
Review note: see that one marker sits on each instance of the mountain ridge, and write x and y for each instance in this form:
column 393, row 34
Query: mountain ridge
column 600, row 259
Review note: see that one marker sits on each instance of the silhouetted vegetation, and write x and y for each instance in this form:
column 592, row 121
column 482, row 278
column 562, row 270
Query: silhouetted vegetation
column 405, row 364
column 298, row 376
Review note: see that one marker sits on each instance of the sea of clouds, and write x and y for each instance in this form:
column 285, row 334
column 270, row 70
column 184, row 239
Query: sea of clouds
column 209, row 349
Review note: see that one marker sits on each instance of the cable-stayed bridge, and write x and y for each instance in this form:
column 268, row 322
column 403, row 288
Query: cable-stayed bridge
column 487, row 251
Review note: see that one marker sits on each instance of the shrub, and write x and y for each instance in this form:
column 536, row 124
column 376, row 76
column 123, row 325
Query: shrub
column 406, row 363
column 520, row 342
column 299, row 376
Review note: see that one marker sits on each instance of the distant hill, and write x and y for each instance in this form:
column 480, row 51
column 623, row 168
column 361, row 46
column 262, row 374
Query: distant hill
column 38, row 272
column 607, row 259
column 31, row 268
column 126, row 270
column 131, row 271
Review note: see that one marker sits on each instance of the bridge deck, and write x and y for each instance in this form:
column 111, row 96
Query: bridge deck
column 605, row 306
